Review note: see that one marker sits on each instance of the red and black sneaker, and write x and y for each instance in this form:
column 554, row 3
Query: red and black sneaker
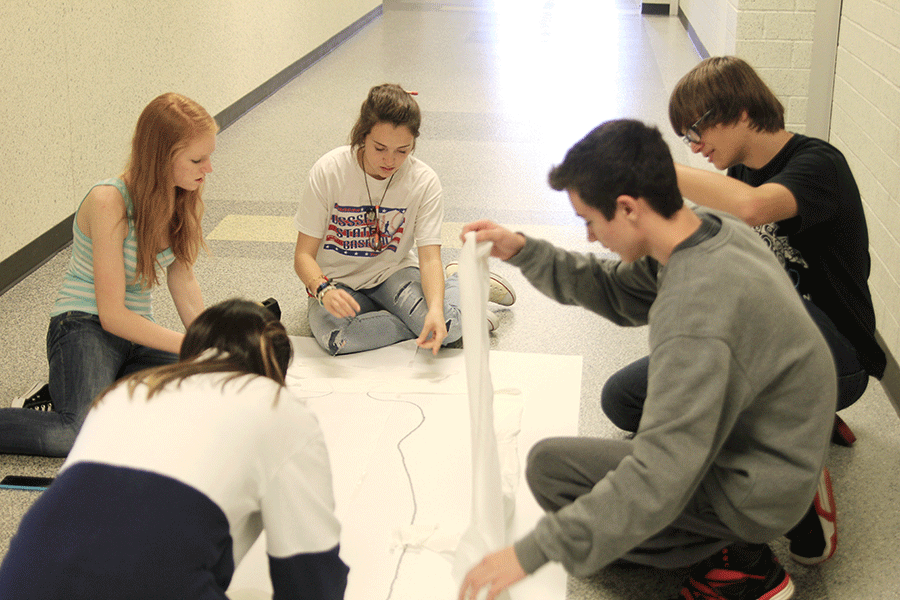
column 814, row 539
column 842, row 435
column 739, row 572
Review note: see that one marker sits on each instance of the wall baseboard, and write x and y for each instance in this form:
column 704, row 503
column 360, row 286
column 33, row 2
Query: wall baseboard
column 22, row 263
column 25, row 261
column 891, row 380
column 692, row 34
column 651, row 8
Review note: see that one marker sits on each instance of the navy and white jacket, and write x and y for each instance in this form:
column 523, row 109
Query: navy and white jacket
column 162, row 498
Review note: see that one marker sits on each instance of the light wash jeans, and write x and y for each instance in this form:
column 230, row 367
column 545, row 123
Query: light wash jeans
column 84, row 359
column 390, row 312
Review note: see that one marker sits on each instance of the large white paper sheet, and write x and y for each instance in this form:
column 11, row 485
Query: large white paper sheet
column 396, row 421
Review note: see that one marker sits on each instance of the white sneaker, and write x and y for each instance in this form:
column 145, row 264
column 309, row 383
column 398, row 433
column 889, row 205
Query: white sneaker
column 501, row 291
column 493, row 320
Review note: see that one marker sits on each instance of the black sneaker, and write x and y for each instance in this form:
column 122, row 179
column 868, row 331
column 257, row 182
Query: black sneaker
column 272, row 305
column 814, row 539
column 37, row 398
column 739, row 572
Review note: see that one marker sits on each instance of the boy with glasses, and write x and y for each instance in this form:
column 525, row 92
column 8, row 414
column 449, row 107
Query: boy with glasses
column 800, row 195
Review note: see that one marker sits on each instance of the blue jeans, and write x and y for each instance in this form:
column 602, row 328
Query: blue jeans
column 624, row 393
column 84, row 360
column 390, row 312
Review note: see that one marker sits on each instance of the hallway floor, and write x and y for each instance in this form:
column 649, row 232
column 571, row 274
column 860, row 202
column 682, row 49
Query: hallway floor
column 506, row 87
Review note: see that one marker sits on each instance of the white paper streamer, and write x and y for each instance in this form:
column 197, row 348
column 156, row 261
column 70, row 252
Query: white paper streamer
column 487, row 530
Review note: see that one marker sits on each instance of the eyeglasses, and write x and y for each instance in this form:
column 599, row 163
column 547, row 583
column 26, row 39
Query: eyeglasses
column 374, row 230
column 692, row 135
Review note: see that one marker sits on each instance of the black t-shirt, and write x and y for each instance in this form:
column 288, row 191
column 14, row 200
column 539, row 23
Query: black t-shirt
column 825, row 248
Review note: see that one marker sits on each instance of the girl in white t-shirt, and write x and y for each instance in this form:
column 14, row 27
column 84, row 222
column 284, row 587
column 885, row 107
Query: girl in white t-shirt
column 365, row 209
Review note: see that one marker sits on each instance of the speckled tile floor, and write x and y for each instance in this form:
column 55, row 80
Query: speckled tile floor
column 505, row 87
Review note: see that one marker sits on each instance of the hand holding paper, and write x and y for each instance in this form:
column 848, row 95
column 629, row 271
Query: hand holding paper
column 506, row 243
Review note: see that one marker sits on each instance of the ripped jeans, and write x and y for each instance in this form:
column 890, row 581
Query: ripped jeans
column 391, row 312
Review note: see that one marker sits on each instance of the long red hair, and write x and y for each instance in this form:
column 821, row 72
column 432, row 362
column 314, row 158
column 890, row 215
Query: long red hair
column 165, row 215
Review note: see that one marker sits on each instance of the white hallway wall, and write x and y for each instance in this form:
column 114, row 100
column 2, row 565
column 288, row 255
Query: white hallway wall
column 865, row 126
column 75, row 75
column 776, row 37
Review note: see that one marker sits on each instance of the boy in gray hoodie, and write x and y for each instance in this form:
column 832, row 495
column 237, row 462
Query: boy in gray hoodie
column 741, row 394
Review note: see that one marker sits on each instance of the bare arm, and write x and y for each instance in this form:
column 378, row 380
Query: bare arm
column 338, row 302
column 767, row 203
column 431, row 270
column 185, row 291
column 105, row 222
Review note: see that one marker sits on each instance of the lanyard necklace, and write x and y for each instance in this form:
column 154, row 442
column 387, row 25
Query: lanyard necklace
column 366, row 179
column 374, row 231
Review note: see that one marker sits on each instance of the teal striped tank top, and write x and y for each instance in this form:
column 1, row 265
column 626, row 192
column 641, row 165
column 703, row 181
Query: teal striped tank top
column 77, row 292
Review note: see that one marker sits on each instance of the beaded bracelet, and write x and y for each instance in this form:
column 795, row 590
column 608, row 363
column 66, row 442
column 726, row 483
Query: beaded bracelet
column 323, row 289
column 322, row 285
column 312, row 294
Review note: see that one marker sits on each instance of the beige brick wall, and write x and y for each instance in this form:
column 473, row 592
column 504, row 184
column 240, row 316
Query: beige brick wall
column 866, row 127
column 775, row 36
